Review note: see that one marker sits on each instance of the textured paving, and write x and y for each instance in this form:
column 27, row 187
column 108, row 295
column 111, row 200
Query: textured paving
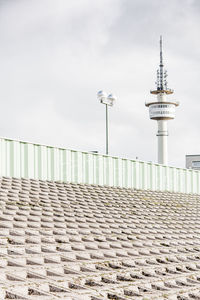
column 72, row 241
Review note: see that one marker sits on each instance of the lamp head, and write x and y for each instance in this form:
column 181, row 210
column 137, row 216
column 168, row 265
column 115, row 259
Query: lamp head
column 101, row 95
column 112, row 98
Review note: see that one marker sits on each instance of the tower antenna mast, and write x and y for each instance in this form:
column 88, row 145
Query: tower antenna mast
column 161, row 64
column 162, row 110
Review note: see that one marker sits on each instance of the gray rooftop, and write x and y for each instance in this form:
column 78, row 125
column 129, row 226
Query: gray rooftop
column 73, row 241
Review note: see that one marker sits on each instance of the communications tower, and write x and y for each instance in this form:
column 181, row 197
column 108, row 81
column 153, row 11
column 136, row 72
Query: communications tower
column 162, row 109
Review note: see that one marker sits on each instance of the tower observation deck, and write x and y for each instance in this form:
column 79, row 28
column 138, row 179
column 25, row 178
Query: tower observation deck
column 162, row 109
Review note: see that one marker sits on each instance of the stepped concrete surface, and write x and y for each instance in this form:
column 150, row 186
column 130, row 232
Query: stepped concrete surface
column 78, row 241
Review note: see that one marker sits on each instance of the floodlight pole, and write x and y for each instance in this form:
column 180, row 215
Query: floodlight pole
column 108, row 100
column 106, row 129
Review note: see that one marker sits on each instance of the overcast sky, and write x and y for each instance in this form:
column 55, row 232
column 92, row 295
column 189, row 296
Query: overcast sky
column 55, row 55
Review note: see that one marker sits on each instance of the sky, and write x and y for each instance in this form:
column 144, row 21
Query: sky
column 55, row 55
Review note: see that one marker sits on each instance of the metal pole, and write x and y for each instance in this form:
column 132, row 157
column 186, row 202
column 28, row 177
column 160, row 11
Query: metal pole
column 107, row 129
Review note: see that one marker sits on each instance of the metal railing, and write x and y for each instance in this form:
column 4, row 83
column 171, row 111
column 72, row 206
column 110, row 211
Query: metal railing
column 23, row 159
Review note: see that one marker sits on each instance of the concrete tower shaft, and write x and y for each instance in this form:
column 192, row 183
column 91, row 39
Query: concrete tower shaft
column 162, row 110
